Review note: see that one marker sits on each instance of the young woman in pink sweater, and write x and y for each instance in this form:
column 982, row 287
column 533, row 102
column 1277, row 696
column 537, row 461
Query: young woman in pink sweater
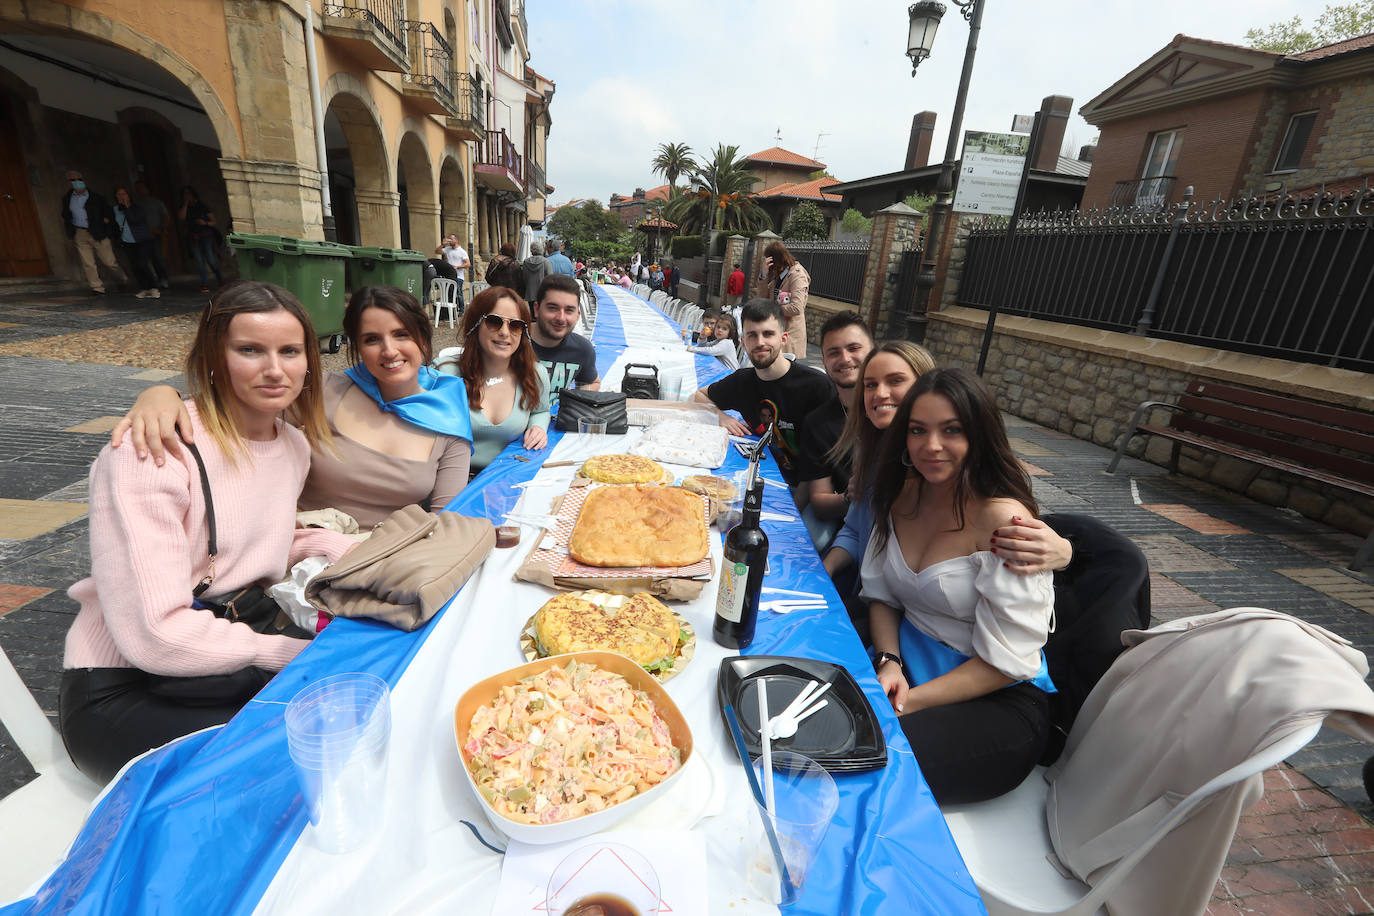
column 253, row 357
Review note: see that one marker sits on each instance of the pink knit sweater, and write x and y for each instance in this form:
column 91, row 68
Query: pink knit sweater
column 149, row 549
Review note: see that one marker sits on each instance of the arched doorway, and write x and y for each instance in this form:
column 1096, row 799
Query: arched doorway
column 419, row 211
column 359, row 173
column 453, row 209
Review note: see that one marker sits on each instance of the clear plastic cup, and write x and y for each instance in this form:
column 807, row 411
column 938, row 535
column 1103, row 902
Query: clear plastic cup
column 671, row 388
column 338, row 730
column 594, row 427
column 591, row 873
column 805, row 799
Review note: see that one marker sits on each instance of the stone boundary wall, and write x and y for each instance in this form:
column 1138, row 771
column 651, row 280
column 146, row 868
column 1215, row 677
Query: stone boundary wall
column 1088, row 383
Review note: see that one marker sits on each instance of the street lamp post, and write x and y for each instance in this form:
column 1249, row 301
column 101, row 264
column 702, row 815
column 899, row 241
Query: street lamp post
column 924, row 18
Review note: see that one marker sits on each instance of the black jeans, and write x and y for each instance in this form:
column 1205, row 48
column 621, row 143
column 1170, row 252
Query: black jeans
column 140, row 255
column 108, row 716
column 980, row 748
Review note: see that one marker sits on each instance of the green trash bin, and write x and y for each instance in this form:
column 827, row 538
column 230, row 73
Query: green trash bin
column 316, row 272
column 399, row 267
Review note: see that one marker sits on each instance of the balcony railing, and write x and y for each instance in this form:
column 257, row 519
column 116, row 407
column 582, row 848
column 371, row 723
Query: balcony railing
column 431, row 69
column 1144, row 193
column 469, row 118
column 534, row 178
column 498, row 164
column 524, row 23
column 375, row 30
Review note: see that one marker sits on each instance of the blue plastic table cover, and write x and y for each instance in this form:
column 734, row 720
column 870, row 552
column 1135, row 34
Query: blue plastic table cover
column 203, row 824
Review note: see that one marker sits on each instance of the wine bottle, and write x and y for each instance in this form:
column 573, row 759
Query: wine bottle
column 741, row 580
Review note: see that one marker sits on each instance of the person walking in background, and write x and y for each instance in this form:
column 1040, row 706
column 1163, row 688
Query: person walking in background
column 201, row 235
column 536, row 268
column 132, row 225
column 734, row 286
column 458, row 260
column 505, row 271
column 558, row 261
column 157, row 217
column 89, row 223
column 786, row 282
column 674, row 276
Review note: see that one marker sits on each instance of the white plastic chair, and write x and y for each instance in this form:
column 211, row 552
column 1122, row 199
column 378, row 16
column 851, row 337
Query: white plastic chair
column 1005, row 842
column 38, row 821
column 443, row 292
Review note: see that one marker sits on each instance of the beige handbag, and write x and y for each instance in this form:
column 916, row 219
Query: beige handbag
column 406, row 570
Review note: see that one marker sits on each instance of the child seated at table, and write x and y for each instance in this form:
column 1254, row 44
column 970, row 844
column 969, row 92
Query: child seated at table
column 719, row 339
column 142, row 664
column 958, row 634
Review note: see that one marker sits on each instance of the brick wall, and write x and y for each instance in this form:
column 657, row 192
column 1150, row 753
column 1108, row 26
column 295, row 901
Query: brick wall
column 1218, row 136
column 1341, row 143
column 1088, row 383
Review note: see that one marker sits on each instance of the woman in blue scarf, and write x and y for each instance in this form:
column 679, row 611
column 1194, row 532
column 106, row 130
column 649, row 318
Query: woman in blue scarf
column 402, row 433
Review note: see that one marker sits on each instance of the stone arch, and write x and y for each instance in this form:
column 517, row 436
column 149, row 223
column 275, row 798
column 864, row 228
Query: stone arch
column 453, row 202
column 419, row 207
column 361, row 177
column 53, row 17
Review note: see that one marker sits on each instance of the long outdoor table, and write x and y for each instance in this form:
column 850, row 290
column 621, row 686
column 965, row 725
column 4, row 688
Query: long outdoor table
column 214, row 823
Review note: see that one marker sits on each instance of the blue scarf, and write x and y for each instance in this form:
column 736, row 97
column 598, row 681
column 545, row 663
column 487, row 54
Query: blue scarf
column 441, row 406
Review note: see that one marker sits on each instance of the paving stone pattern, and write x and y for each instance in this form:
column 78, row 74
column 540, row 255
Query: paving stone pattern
column 1307, row 848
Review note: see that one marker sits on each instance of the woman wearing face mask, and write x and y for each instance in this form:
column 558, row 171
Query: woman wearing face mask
column 402, row 431
column 132, row 225
column 958, row 635
column 253, row 358
column 1026, row 543
column 508, row 390
column 723, row 344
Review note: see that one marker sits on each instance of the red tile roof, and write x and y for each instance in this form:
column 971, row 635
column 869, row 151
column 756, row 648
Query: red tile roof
column 808, row 190
column 658, row 193
column 779, row 156
column 1358, row 43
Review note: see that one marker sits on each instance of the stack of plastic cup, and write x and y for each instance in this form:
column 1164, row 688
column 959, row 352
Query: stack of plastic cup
column 805, row 802
column 338, row 730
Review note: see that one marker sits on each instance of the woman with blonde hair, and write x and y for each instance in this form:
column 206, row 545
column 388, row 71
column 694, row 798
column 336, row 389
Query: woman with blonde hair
column 786, row 282
column 144, row 662
column 508, row 390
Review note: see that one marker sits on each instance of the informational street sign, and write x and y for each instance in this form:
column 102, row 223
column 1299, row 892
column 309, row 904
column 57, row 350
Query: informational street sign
column 990, row 172
column 1022, row 124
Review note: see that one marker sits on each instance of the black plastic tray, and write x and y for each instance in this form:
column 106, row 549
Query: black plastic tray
column 843, row 737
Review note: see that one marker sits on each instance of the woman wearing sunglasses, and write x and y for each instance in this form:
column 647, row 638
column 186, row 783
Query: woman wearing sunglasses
column 508, row 390
column 401, row 431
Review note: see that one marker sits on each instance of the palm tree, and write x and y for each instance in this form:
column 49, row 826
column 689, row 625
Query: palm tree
column 673, row 159
column 719, row 196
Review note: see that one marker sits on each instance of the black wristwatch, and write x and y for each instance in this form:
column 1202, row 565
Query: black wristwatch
column 885, row 657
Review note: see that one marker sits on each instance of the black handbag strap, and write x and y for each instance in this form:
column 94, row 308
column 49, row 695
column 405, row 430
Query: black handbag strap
column 209, row 519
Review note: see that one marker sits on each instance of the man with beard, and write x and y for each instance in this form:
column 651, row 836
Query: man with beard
column 771, row 386
column 570, row 359
column 845, row 343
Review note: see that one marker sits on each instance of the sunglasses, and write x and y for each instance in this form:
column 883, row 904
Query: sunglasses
column 495, row 322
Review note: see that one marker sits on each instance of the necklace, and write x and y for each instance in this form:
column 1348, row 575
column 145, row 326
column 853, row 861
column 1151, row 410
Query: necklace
column 495, row 380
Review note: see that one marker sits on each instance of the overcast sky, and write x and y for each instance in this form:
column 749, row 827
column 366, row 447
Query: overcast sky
column 635, row 73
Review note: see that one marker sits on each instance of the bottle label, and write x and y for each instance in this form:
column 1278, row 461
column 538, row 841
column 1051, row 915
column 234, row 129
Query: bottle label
column 730, row 595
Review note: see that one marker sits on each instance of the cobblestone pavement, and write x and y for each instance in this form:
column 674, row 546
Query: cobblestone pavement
column 1307, row 848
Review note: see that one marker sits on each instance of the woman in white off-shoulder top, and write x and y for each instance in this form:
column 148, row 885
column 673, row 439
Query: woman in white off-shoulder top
column 958, row 634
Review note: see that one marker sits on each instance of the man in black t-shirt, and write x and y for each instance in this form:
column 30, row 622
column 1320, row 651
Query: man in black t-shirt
column 570, row 359
column 845, row 344
column 772, row 389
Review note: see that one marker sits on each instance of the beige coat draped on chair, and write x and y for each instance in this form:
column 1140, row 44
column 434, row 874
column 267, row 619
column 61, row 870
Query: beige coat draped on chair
column 1188, row 700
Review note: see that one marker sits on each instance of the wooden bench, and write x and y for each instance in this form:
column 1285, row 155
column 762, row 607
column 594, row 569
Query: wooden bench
column 1319, row 442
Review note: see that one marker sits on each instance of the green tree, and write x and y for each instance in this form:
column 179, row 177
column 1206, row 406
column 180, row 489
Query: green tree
column 1336, row 23
column 806, row 223
column 921, row 203
column 819, row 173
column 586, row 223
column 720, row 197
column 855, row 223
column 673, row 159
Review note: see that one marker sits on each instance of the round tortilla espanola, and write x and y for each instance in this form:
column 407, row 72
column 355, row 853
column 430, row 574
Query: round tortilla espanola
column 622, row 469
column 640, row 627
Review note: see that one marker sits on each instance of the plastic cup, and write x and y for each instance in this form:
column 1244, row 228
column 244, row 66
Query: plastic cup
column 805, row 801
column 599, row 870
column 594, row 427
column 498, row 502
column 337, row 730
column 671, row 386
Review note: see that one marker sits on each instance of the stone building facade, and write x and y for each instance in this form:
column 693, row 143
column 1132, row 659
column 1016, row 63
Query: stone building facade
column 217, row 94
column 1228, row 120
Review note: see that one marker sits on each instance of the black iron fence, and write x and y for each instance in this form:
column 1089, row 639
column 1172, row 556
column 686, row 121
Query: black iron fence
column 1274, row 276
column 431, row 61
column 470, row 102
column 836, row 266
column 386, row 16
